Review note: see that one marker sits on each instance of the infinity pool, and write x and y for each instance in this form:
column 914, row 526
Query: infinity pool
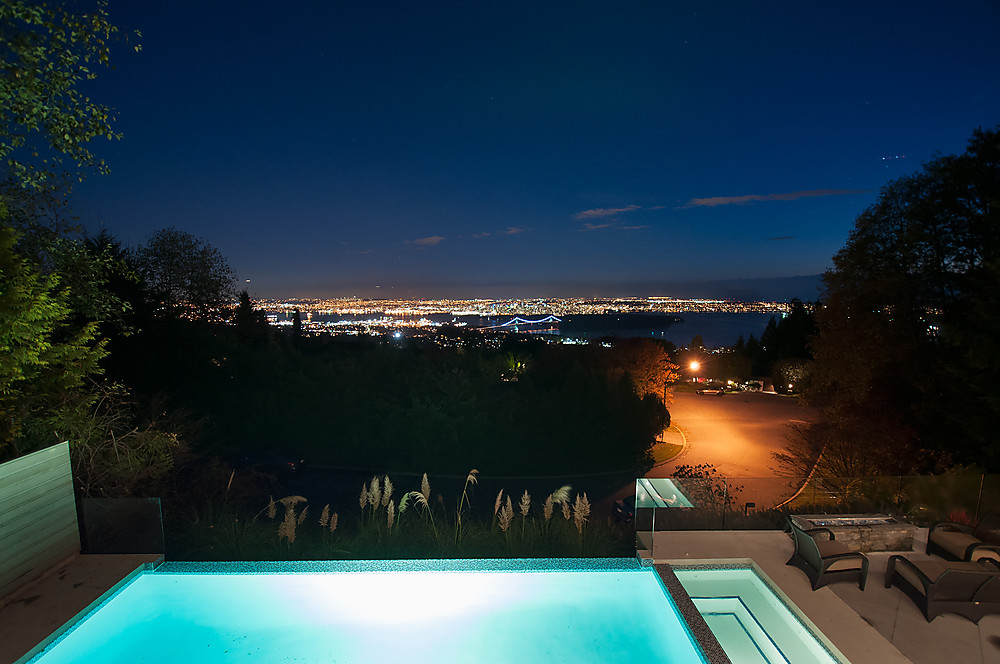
column 522, row 612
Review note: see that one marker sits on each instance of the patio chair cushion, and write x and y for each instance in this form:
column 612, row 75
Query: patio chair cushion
column 957, row 543
column 829, row 548
column 933, row 569
column 953, row 542
column 935, row 586
column 824, row 560
column 960, row 541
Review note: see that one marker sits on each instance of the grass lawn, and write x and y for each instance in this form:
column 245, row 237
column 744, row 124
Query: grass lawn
column 665, row 451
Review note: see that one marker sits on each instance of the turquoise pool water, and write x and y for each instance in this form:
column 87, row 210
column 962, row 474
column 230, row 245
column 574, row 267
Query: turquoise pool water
column 608, row 612
column 752, row 622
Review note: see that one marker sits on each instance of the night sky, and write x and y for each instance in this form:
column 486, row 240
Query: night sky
column 496, row 149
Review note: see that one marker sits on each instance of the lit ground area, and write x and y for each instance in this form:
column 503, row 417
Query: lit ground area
column 736, row 434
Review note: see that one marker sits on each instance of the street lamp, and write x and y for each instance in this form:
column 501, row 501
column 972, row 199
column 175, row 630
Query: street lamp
column 694, row 366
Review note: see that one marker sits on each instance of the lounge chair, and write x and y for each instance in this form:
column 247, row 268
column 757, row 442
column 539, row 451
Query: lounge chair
column 958, row 541
column 940, row 586
column 826, row 560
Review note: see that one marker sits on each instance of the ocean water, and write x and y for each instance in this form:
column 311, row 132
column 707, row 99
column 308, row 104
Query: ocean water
column 717, row 329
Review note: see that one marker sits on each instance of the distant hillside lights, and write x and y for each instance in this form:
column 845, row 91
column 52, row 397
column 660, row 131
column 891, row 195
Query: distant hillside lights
column 545, row 306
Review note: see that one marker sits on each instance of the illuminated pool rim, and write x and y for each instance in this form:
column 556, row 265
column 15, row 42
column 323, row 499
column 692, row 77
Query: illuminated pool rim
column 690, row 619
column 746, row 564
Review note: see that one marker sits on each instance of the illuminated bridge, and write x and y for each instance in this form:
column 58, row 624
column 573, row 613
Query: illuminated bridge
column 547, row 325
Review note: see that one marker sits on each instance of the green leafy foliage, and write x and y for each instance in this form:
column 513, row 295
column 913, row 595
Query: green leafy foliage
column 44, row 360
column 49, row 51
column 114, row 451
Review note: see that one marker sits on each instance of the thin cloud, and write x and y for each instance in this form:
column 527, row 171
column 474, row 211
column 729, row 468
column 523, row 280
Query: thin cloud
column 780, row 237
column 753, row 198
column 633, row 228
column 598, row 213
column 428, row 241
column 596, row 227
column 510, row 230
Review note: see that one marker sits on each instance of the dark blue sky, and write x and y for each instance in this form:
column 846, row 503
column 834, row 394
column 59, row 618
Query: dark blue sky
column 545, row 148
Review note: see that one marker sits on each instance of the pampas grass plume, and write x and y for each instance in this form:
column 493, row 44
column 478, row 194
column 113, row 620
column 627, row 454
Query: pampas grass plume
column 363, row 498
column 375, row 493
column 324, row 517
column 291, row 501
column 496, row 505
column 547, row 508
column 506, row 515
column 419, row 499
column 561, row 494
column 390, row 513
column 525, row 504
column 425, row 488
column 581, row 510
column 387, row 492
column 333, row 522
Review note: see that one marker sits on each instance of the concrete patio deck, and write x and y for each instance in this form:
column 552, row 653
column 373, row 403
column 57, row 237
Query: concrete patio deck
column 879, row 625
column 35, row 611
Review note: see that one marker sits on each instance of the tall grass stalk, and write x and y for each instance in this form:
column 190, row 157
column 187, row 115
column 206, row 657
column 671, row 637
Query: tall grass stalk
column 471, row 479
column 420, row 499
column 506, row 516
column 387, row 535
column 525, row 506
column 425, row 489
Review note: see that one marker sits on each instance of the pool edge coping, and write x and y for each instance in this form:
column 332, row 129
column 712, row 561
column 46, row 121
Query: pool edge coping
column 710, row 650
column 83, row 613
column 710, row 647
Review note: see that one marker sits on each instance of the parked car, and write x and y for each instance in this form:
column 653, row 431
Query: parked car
column 712, row 390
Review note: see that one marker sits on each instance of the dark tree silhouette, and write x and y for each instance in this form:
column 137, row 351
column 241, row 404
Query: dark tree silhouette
column 186, row 276
column 904, row 359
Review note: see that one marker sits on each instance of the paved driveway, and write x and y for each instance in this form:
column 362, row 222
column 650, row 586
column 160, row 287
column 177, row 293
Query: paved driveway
column 736, row 434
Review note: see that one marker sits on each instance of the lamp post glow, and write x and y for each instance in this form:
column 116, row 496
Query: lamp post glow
column 694, row 366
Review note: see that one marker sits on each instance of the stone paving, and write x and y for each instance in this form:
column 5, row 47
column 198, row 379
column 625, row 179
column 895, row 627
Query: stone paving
column 875, row 625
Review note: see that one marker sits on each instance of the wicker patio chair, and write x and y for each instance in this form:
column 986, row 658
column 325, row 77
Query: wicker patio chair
column 958, row 541
column 938, row 586
column 826, row 560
